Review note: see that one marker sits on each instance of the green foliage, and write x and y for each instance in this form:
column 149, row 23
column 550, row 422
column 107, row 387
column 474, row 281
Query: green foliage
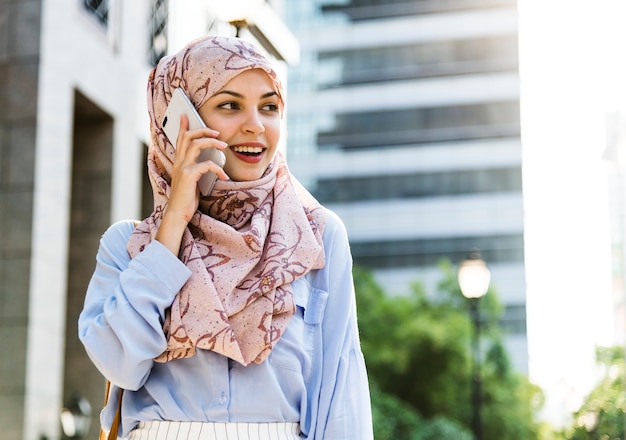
column 418, row 354
column 602, row 415
column 397, row 333
column 442, row 428
column 510, row 406
column 394, row 419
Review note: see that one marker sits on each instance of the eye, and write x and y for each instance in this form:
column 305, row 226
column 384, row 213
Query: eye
column 229, row 106
column 271, row 107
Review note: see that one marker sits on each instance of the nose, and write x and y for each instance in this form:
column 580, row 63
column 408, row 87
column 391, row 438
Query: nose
column 253, row 123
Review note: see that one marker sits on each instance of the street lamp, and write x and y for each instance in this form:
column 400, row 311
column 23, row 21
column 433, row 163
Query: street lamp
column 236, row 12
column 474, row 277
column 260, row 19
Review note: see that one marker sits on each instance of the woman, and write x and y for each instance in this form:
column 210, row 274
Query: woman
column 231, row 315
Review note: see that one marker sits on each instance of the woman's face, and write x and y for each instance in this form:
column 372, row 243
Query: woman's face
column 246, row 112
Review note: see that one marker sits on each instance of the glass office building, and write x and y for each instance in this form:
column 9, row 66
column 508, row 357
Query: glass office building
column 403, row 117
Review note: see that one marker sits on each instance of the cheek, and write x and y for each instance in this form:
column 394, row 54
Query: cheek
column 273, row 130
column 215, row 124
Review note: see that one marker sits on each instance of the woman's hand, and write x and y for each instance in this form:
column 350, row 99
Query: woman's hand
column 184, row 192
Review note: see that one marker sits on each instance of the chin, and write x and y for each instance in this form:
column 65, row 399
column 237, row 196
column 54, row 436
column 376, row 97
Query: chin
column 246, row 176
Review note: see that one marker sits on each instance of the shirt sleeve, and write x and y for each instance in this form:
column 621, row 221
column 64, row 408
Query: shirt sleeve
column 122, row 318
column 344, row 411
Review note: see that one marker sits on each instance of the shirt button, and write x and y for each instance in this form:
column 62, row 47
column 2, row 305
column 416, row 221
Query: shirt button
column 222, row 400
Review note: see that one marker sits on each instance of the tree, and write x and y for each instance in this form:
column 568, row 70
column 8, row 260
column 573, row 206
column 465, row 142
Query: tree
column 417, row 350
column 393, row 419
column 602, row 415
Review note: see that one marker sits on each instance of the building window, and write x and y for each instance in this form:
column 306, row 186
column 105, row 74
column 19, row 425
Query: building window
column 357, row 10
column 158, row 31
column 369, row 130
column 416, row 61
column 100, row 9
column 427, row 252
column 419, row 185
column 514, row 320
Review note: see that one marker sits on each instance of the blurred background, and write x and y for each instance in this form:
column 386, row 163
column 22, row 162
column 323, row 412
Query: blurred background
column 433, row 128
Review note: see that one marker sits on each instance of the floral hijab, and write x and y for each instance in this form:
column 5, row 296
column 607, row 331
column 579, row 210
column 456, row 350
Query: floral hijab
column 247, row 242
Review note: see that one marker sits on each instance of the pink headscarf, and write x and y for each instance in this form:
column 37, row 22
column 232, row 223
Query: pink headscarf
column 247, row 242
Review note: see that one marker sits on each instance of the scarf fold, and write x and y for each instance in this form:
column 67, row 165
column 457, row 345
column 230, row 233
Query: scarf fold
column 247, row 242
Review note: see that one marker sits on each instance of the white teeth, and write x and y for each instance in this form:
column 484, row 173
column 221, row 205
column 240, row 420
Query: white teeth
column 246, row 149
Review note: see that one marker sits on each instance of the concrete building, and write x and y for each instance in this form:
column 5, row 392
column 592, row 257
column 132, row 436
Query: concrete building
column 615, row 157
column 72, row 141
column 404, row 119
column 73, row 136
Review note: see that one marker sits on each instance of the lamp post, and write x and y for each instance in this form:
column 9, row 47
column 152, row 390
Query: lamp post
column 236, row 12
column 261, row 21
column 474, row 277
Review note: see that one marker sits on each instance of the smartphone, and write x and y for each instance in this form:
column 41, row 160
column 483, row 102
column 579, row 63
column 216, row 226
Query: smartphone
column 179, row 105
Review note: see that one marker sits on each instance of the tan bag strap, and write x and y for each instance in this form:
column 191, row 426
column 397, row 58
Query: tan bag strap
column 118, row 415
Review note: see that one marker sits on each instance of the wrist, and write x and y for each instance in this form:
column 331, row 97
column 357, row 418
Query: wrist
column 175, row 219
column 171, row 230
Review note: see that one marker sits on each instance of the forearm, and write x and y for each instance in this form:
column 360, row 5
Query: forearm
column 121, row 322
column 171, row 229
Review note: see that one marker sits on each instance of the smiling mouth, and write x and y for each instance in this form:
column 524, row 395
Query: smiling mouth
column 247, row 150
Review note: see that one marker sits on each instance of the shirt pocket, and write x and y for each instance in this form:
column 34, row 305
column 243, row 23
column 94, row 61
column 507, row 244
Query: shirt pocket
column 310, row 301
column 316, row 304
column 297, row 346
column 313, row 315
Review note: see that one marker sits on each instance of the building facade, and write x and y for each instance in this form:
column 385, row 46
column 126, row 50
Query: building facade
column 615, row 157
column 73, row 135
column 404, row 119
column 72, row 141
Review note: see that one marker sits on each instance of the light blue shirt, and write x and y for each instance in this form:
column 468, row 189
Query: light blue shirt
column 315, row 374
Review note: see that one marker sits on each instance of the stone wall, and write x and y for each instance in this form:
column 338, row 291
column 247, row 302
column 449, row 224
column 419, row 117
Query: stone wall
column 19, row 64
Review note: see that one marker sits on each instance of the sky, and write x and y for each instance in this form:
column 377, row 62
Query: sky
column 572, row 73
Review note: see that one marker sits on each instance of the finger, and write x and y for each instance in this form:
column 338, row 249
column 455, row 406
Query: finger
column 217, row 170
column 204, row 143
column 184, row 126
column 199, row 133
column 197, row 150
column 197, row 170
column 194, row 141
column 206, row 132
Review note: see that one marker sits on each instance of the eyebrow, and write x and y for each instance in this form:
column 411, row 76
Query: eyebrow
column 240, row 96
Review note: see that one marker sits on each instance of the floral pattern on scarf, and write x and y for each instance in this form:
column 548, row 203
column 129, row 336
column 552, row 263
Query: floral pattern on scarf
column 247, row 242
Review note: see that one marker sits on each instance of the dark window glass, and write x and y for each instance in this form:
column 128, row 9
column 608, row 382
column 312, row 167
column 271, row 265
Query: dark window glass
column 422, row 125
column 428, row 252
column 514, row 319
column 421, row 185
column 158, row 31
column 99, row 8
column 357, row 10
column 437, row 59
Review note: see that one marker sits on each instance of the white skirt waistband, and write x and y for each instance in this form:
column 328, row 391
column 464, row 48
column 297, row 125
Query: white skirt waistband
column 158, row 430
